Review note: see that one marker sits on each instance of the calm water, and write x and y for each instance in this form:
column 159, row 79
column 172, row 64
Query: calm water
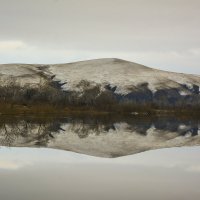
column 99, row 158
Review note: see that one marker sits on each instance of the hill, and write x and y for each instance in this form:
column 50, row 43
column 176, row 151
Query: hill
column 102, row 83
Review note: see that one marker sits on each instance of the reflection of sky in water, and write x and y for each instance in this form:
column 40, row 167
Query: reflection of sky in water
column 27, row 173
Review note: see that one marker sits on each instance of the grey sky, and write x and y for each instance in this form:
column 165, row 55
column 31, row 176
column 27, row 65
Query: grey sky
column 158, row 33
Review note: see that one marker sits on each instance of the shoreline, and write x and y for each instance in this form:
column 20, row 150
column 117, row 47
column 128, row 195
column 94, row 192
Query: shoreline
column 47, row 109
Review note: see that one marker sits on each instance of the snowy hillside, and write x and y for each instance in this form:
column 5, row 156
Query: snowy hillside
column 115, row 72
column 120, row 73
column 125, row 80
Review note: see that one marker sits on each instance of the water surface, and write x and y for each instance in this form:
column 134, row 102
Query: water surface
column 99, row 158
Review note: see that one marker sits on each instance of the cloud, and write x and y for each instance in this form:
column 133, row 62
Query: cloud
column 195, row 51
column 160, row 34
column 11, row 45
column 193, row 168
column 9, row 165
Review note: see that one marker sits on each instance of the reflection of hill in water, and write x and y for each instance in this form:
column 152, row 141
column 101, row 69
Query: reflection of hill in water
column 104, row 137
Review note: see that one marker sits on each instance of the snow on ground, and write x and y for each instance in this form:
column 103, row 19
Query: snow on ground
column 19, row 73
column 114, row 72
column 119, row 73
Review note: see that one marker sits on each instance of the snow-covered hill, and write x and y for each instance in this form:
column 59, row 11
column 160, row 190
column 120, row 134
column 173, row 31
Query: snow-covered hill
column 125, row 80
column 120, row 73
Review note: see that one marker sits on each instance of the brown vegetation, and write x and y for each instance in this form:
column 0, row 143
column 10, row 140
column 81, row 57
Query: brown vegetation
column 49, row 98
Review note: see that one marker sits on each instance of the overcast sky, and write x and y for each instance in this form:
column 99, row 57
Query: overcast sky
column 163, row 34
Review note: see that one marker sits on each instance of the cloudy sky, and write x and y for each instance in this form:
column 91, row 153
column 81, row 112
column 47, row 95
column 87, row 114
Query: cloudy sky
column 157, row 33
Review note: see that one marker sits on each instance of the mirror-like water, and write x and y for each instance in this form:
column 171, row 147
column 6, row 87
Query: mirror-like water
column 116, row 158
column 100, row 136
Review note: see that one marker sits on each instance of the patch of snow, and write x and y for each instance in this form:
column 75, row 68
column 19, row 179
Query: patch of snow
column 183, row 93
column 188, row 134
column 121, row 126
column 135, row 113
column 182, row 127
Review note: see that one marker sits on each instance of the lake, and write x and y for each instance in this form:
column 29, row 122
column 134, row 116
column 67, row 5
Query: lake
column 99, row 157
